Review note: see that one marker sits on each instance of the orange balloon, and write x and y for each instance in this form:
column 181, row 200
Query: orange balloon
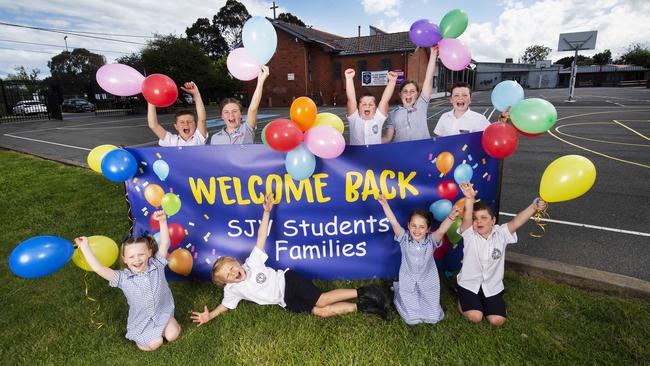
column 181, row 261
column 303, row 113
column 461, row 205
column 154, row 194
column 444, row 162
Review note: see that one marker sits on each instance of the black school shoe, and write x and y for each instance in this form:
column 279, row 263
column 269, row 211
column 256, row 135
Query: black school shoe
column 373, row 300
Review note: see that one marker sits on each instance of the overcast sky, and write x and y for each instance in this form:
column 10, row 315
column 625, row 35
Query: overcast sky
column 497, row 30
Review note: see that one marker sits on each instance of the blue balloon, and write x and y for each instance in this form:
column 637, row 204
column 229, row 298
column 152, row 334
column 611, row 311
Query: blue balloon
column 463, row 173
column 157, row 237
column 260, row 39
column 441, row 209
column 119, row 165
column 300, row 163
column 506, row 94
column 161, row 168
column 40, row 256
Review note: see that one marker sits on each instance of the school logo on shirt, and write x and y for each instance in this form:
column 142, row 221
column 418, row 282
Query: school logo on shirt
column 260, row 278
column 496, row 253
column 375, row 129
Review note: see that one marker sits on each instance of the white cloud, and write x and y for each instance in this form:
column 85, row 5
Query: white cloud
column 385, row 7
column 394, row 25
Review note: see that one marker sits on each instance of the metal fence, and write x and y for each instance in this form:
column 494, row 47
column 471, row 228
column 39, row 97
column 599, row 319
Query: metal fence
column 25, row 100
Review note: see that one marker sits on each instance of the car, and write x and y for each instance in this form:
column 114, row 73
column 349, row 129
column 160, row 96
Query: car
column 77, row 105
column 25, row 107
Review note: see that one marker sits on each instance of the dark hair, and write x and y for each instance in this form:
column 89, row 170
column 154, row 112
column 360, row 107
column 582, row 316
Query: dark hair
column 480, row 205
column 367, row 95
column 424, row 214
column 148, row 239
column 461, row 84
column 183, row 112
column 407, row 82
column 228, row 101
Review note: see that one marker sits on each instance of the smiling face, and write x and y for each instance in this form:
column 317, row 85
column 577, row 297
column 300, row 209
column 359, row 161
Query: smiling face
column 418, row 227
column 409, row 94
column 136, row 257
column 231, row 115
column 185, row 125
column 367, row 107
column 483, row 222
column 460, row 99
column 231, row 272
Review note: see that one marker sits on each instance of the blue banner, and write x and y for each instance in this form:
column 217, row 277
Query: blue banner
column 329, row 226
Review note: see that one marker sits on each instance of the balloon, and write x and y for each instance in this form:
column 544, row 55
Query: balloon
column 423, row 33
column 566, row 178
column 325, row 142
column 260, row 39
column 264, row 135
column 303, row 112
column 527, row 134
column 300, row 163
column 156, row 237
column 453, row 24
column 506, row 94
column 180, row 261
column 170, row 203
column 440, row 209
column 118, row 79
column 40, row 256
column 500, row 140
column 454, row 54
column 444, row 162
column 154, row 193
column 440, row 252
column 97, row 154
column 329, row 119
column 161, row 168
column 119, row 165
column 104, row 249
column 460, row 204
column 159, row 90
column 452, row 232
column 241, row 65
column 463, row 173
column 176, row 234
column 533, row 115
column 154, row 224
column 282, row 135
column 447, row 189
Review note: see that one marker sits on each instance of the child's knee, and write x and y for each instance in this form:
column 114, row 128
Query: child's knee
column 322, row 312
column 172, row 331
column 473, row 316
column 496, row 320
column 152, row 346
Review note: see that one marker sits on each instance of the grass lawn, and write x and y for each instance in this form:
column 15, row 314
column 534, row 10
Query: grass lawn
column 46, row 321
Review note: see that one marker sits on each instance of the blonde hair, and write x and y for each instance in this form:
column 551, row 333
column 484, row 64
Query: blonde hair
column 217, row 279
column 148, row 240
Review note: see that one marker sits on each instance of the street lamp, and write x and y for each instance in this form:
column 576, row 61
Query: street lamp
column 65, row 39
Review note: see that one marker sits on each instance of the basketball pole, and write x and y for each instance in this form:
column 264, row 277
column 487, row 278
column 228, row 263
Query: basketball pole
column 574, row 72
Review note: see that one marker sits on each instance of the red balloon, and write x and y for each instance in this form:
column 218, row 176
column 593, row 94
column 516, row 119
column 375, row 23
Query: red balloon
column 500, row 140
column 155, row 224
column 159, row 90
column 283, row 135
column 447, row 189
column 176, row 234
column 526, row 133
column 440, row 252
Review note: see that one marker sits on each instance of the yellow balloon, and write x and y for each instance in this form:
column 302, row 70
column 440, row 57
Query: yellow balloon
column 181, row 261
column 97, row 154
column 104, row 249
column 567, row 178
column 329, row 119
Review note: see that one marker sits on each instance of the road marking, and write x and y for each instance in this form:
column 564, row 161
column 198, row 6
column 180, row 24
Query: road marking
column 47, row 142
column 490, row 116
column 618, row 104
column 81, row 125
column 645, row 137
column 557, row 129
column 638, row 233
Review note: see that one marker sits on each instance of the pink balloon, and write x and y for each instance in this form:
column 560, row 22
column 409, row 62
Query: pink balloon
column 119, row 79
column 241, row 65
column 324, row 141
column 454, row 54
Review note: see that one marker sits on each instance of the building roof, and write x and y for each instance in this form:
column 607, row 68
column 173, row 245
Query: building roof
column 604, row 68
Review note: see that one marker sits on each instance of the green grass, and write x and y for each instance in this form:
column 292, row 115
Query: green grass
column 46, row 321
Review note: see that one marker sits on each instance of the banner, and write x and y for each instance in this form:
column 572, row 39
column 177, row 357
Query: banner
column 379, row 78
column 329, row 226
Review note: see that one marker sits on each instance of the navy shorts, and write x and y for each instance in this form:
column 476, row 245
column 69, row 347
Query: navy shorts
column 300, row 294
column 493, row 305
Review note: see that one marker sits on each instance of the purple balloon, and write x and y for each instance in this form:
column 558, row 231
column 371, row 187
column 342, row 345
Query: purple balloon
column 118, row 79
column 454, row 54
column 424, row 33
column 241, row 65
column 324, row 141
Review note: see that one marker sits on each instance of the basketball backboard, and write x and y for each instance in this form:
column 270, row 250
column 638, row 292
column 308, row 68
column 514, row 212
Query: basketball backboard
column 577, row 41
column 542, row 64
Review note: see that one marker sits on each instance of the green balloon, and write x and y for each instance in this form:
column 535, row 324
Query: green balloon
column 533, row 115
column 170, row 203
column 453, row 24
column 452, row 234
column 264, row 135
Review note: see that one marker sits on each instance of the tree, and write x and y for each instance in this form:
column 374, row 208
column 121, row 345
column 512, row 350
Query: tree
column 230, row 19
column 291, row 19
column 208, row 36
column 535, row 53
column 75, row 71
column 636, row 55
column 603, row 58
column 21, row 74
column 568, row 61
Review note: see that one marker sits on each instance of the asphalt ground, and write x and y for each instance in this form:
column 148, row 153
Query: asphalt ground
column 607, row 229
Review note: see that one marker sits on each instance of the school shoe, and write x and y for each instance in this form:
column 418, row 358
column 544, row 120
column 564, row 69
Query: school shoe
column 373, row 300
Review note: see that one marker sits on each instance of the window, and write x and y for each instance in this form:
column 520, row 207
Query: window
column 386, row 64
column 337, row 71
column 362, row 65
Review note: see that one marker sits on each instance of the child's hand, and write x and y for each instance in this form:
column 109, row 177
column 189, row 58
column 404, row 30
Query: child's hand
column 434, row 51
column 81, row 241
column 160, row 216
column 539, row 204
column 382, row 200
column 191, row 88
column 505, row 115
column 468, row 190
column 268, row 202
column 455, row 211
column 201, row 318
column 392, row 75
column 349, row 73
column 264, row 73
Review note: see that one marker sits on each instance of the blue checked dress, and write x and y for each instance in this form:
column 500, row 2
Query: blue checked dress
column 151, row 304
column 417, row 293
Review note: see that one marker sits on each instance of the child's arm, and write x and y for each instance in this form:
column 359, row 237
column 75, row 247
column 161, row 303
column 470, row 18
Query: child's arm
column 206, row 316
column 427, row 86
column 251, row 115
column 83, row 245
column 349, row 92
column 262, row 232
column 152, row 120
column 201, row 123
column 525, row 214
column 446, row 224
column 397, row 228
column 470, row 195
column 164, row 232
column 388, row 93
column 388, row 136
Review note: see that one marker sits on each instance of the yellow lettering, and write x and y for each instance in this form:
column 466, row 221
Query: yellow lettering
column 296, row 192
column 351, row 187
column 370, row 186
column 240, row 200
column 223, row 189
column 383, row 178
column 404, row 184
column 278, row 186
column 319, row 185
column 199, row 190
column 252, row 181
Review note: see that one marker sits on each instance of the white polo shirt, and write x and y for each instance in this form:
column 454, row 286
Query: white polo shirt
column 470, row 121
column 170, row 139
column 484, row 260
column 366, row 132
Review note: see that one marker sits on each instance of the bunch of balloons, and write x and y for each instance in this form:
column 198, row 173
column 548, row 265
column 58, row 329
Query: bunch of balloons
column 123, row 80
column 116, row 164
column 308, row 134
column 260, row 42
column 156, row 196
column 454, row 54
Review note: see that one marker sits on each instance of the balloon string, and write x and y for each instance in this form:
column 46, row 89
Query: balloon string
column 98, row 324
column 539, row 215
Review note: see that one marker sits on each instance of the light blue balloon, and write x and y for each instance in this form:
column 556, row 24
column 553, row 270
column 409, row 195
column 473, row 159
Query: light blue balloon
column 463, row 173
column 260, row 39
column 300, row 163
column 161, row 168
column 157, row 237
column 441, row 209
column 506, row 94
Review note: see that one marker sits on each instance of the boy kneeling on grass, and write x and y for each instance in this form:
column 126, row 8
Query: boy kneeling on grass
column 256, row 282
